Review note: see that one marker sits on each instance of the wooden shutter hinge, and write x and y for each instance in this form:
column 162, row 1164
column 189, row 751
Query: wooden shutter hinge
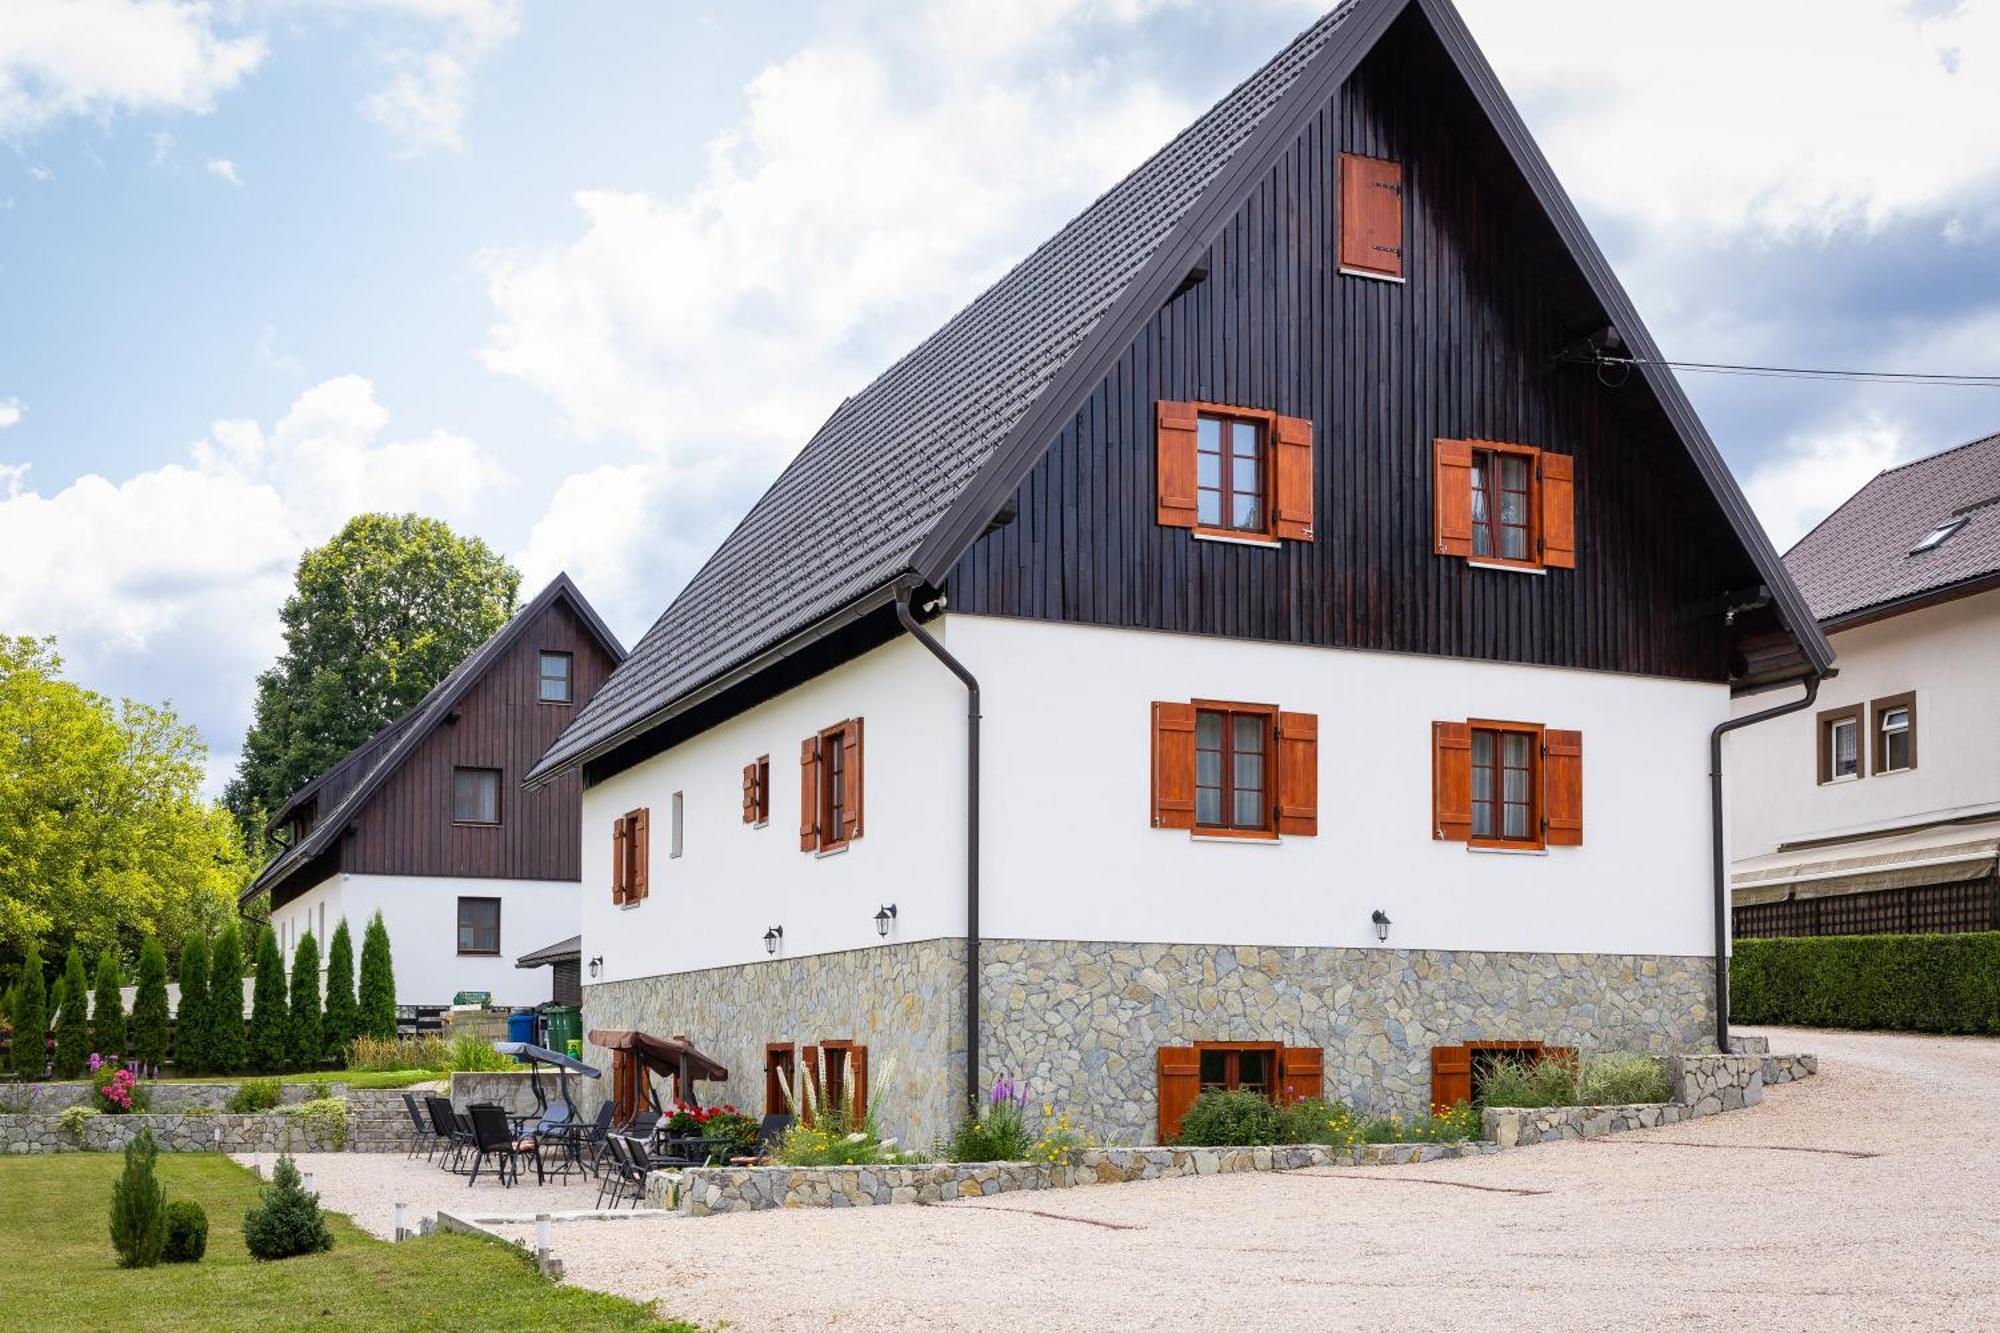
column 1393, row 187
column 1395, row 250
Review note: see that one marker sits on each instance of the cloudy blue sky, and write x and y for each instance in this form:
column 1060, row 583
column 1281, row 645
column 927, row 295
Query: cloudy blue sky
column 579, row 278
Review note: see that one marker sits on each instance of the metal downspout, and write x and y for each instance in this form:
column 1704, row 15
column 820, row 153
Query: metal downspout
column 957, row 668
column 1721, row 868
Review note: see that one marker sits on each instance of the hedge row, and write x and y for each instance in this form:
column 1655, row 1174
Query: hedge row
column 1915, row 983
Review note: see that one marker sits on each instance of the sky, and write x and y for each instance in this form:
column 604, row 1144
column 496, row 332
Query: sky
column 580, row 279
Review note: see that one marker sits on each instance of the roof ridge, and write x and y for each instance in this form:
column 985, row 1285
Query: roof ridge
column 1932, row 458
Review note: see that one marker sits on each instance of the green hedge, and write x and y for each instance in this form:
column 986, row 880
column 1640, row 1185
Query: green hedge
column 1915, row 983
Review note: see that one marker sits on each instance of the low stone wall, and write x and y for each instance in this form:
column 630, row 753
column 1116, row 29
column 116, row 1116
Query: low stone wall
column 1508, row 1127
column 377, row 1120
column 174, row 1133
column 1702, row 1085
column 700, row 1191
column 1787, row 1068
column 1749, row 1045
column 48, row 1098
column 1706, row 1084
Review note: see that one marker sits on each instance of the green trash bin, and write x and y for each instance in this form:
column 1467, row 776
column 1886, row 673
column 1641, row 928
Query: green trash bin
column 565, row 1025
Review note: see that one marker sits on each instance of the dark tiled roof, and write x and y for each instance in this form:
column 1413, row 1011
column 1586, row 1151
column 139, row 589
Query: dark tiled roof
column 350, row 783
column 848, row 513
column 1860, row 556
column 561, row 951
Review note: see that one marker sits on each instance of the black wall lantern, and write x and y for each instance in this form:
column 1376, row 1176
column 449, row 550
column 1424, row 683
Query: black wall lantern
column 883, row 919
column 596, row 966
column 772, row 938
column 1381, row 920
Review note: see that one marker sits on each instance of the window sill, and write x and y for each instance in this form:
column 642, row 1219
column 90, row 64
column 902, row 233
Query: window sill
column 1238, row 839
column 475, row 823
column 1268, row 543
column 630, row 907
column 557, row 703
column 1890, row 772
column 1506, row 567
column 1396, row 278
column 834, row 850
column 760, row 823
column 1502, row 849
column 478, row 953
column 1841, row 782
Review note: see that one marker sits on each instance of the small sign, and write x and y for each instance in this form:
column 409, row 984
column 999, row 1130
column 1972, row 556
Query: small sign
column 479, row 997
column 574, row 1048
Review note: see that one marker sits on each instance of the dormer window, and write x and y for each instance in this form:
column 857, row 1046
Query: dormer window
column 1939, row 535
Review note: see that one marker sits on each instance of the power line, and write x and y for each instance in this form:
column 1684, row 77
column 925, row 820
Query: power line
column 1803, row 372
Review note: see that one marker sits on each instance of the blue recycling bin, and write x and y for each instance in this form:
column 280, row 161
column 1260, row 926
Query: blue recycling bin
column 521, row 1027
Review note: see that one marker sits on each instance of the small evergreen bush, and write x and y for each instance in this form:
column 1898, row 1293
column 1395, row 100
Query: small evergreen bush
column 191, row 1020
column 256, row 1094
column 107, row 1009
column 187, row 1233
column 287, row 1220
column 149, row 1008
column 270, row 1006
column 138, row 1207
column 1230, row 1119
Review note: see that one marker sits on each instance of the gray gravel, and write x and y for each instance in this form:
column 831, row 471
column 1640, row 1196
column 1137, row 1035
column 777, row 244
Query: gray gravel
column 367, row 1186
column 1711, row 1224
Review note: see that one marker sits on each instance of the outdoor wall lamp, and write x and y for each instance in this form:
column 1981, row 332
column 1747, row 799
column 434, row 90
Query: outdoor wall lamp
column 883, row 918
column 1381, row 920
column 772, row 938
column 596, row 966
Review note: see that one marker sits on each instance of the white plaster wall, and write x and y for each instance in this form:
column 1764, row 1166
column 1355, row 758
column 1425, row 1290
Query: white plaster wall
column 421, row 913
column 1068, row 847
column 710, row 906
column 1948, row 654
column 1070, row 852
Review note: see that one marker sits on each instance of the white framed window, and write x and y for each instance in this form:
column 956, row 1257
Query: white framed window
column 1844, row 747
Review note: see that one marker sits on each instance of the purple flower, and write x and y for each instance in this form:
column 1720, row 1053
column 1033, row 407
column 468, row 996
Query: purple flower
column 96, row 1062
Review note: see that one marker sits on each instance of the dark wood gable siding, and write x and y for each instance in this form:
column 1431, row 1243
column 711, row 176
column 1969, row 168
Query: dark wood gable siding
column 406, row 828
column 1461, row 349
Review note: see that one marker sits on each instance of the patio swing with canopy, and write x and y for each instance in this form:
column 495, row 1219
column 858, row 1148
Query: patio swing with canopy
column 637, row 1056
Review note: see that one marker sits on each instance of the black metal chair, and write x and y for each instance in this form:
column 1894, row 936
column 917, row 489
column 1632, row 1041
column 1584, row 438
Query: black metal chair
column 640, row 1164
column 444, row 1129
column 592, row 1136
column 611, row 1184
column 643, row 1126
column 493, row 1137
column 423, row 1134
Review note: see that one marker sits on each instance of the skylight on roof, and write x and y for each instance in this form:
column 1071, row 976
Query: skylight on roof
column 1939, row 535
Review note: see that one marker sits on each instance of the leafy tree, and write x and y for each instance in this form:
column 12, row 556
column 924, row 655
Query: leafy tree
column 228, row 1048
column 107, row 1009
column 73, row 1018
column 149, row 1007
column 286, row 1220
column 378, row 982
column 377, row 616
column 303, row 1031
column 269, row 1017
column 104, row 835
column 139, row 1206
column 343, row 1016
column 30, row 1012
column 191, row 1021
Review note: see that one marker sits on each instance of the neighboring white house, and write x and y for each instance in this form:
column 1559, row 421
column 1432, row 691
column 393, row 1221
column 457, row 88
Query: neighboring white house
column 1336, row 661
column 426, row 822
column 1878, row 810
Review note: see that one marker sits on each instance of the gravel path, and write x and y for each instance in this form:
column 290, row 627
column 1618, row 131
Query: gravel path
column 1714, row 1224
column 367, row 1186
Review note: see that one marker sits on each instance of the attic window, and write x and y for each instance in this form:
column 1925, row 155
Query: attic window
column 1939, row 535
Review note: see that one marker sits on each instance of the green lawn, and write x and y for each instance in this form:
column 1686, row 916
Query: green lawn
column 55, row 1249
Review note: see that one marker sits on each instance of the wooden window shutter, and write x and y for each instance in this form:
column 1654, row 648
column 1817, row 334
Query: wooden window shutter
column 1173, row 765
column 1451, row 1076
column 750, row 792
column 642, row 857
column 1292, row 479
column 1371, row 214
column 809, row 794
column 621, row 860
column 857, row 1078
column 1557, row 473
column 1175, row 462
column 1300, row 1074
column 1298, row 773
column 1451, row 481
column 850, row 741
column 1451, row 781
column 1180, row 1084
column 1562, row 788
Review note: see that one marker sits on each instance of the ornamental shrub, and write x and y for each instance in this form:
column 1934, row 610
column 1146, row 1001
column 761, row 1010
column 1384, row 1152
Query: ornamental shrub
column 73, row 1019
column 1528, row 1084
column 1230, row 1120
column 107, row 1008
column 323, row 1117
column 255, row 1094
column 287, row 1220
column 138, row 1207
column 29, row 1054
column 149, row 1007
column 378, row 983
column 1622, row 1079
column 228, row 1047
column 119, row 1091
column 191, row 1053
column 303, row 1030
column 342, row 1023
column 1907, row 983
column 187, row 1233
column 270, row 1006
column 996, row 1131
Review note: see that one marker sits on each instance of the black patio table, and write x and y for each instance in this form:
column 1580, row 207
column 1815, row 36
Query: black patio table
column 695, row 1150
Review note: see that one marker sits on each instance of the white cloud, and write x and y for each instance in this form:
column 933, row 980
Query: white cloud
column 100, row 58
column 168, row 583
column 423, row 102
column 1816, row 472
column 11, row 412
column 223, row 169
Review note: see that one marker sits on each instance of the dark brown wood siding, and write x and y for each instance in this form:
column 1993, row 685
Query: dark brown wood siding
column 406, row 828
column 1462, row 348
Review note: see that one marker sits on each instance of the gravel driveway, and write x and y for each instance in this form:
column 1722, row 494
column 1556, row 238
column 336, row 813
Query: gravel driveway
column 1721, row 1223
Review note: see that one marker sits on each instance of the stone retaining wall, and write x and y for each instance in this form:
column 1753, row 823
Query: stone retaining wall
column 376, row 1120
column 1509, row 1127
column 174, row 1133
column 701, row 1191
column 1706, row 1084
column 1786, row 1068
column 48, row 1098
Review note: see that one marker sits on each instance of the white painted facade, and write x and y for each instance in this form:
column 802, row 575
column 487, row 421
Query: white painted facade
column 1068, row 848
column 421, row 913
column 1947, row 654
